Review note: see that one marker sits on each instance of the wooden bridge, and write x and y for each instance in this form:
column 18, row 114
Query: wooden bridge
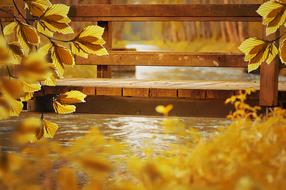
column 104, row 85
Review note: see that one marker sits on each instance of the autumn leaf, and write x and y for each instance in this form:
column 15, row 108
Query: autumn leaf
column 63, row 109
column 89, row 41
column 71, row 97
column 16, row 49
column 37, row 7
column 273, row 14
column 27, row 36
column 49, row 129
column 4, row 114
column 164, row 109
column 33, row 129
column 13, row 107
column 258, row 51
column 10, row 28
column 6, row 57
column 61, row 56
column 61, row 103
column 35, row 68
column 55, row 19
column 282, row 51
column 67, row 179
column 11, row 87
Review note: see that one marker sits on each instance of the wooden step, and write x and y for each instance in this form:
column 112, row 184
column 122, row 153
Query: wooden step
column 155, row 88
column 164, row 84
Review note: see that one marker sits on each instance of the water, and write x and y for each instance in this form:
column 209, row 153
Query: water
column 133, row 131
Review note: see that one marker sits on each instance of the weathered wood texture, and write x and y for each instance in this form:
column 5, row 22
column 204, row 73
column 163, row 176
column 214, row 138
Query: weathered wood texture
column 162, row 12
column 269, row 79
column 104, row 71
column 168, row 84
column 166, row 59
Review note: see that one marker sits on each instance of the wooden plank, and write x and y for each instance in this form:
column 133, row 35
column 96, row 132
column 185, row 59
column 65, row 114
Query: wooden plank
column 170, row 93
column 219, row 94
column 136, row 92
column 104, row 71
column 107, row 91
column 165, row 84
column 167, row 59
column 162, row 12
column 193, row 94
column 88, row 91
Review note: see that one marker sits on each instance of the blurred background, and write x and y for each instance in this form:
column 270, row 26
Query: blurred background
column 173, row 36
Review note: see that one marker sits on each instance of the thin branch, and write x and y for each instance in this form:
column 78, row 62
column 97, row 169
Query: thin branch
column 18, row 10
column 9, row 72
column 55, row 39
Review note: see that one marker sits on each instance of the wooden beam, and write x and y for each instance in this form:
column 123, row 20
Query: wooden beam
column 162, row 12
column 168, row 84
column 268, row 95
column 104, row 71
column 166, row 59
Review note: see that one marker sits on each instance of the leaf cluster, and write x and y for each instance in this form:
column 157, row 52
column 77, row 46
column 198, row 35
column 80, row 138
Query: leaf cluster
column 258, row 51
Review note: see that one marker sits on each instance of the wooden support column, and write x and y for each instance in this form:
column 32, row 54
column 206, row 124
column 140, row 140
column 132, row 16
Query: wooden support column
column 268, row 95
column 104, row 71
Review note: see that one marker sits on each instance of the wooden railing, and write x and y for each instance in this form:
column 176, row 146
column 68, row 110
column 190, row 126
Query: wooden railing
column 105, row 14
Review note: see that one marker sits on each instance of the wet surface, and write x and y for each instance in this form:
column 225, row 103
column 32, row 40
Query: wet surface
column 133, row 131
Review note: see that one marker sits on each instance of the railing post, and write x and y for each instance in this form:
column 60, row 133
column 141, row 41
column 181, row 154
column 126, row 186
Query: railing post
column 104, row 71
column 269, row 80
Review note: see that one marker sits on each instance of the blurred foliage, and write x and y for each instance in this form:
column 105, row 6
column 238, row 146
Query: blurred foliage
column 249, row 154
column 33, row 55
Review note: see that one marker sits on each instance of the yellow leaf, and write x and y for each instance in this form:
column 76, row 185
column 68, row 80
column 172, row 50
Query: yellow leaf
column 27, row 96
column 273, row 14
column 44, row 50
column 67, row 179
column 16, row 49
column 282, row 51
column 49, row 129
column 257, row 51
column 10, row 28
column 89, row 41
column 35, row 68
column 164, row 109
column 3, row 113
column 31, row 87
column 55, row 19
column 63, row 55
column 63, row 109
column 37, row 7
column 43, row 29
column 11, row 87
column 30, row 34
column 273, row 52
column 12, row 106
column 252, row 67
column 71, row 97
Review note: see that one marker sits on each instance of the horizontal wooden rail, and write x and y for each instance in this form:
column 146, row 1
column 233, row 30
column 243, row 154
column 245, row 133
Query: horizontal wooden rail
column 164, row 12
column 159, row 84
column 158, row 12
column 129, row 58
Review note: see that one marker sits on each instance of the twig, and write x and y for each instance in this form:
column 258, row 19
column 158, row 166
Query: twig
column 18, row 10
